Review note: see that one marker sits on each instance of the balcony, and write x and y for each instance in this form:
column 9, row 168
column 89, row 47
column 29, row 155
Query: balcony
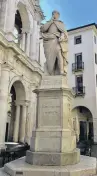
column 77, row 67
column 79, row 91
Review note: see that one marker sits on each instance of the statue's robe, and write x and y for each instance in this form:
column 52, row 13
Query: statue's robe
column 52, row 44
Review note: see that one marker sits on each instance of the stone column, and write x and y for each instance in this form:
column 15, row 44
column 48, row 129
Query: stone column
column 38, row 44
column 4, row 83
column 23, row 41
column 28, row 45
column 16, row 124
column 23, row 123
column 42, row 55
column 27, row 127
column 33, row 41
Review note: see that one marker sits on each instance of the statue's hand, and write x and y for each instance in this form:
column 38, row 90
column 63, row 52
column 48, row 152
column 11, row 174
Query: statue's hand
column 65, row 38
column 61, row 38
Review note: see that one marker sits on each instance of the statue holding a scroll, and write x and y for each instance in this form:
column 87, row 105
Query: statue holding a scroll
column 55, row 45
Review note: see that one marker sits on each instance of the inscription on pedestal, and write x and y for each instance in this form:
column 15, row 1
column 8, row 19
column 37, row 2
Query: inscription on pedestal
column 53, row 82
column 49, row 112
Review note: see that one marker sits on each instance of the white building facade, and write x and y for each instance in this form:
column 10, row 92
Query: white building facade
column 82, row 77
column 20, row 68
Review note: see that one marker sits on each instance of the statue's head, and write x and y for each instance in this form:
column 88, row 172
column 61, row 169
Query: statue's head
column 55, row 15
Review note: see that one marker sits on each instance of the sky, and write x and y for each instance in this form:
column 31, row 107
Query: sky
column 73, row 13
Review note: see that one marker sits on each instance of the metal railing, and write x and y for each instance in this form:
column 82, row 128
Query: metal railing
column 12, row 154
column 79, row 91
column 77, row 66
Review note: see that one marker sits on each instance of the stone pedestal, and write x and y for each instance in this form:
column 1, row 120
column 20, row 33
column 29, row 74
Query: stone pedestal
column 16, row 126
column 54, row 141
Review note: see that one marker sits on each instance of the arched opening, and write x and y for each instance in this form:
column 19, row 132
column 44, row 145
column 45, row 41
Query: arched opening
column 85, row 121
column 15, row 112
column 11, row 115
column 24, row 16
column 21, row 25
column 17, row 27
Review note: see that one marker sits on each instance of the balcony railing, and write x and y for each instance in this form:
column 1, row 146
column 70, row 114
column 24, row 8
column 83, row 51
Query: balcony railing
column 79, row 91
column 77, row 67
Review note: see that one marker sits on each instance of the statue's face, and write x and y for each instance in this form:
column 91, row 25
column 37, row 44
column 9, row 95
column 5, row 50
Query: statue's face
column 56, row 15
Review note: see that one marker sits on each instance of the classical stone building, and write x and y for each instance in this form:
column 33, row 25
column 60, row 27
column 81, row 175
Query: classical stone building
column 20, row 70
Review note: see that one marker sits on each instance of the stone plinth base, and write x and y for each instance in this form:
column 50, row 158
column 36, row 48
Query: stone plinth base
column 86, row 167
column 53, row 159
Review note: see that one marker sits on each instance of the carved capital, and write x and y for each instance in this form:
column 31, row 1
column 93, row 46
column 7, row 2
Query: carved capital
column 22, row 102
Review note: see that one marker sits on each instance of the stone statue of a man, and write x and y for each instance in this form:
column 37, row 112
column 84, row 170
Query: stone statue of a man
column 55, row 45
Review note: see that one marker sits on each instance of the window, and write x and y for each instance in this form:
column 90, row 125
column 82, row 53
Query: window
column 77, row 40
column 79, row 84
column 95, row 58
column 79, row 80
column 78, row 60
column 94, row 39
column 79, row 89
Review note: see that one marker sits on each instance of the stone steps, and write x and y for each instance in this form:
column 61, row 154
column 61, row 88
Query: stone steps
column 86, row 167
